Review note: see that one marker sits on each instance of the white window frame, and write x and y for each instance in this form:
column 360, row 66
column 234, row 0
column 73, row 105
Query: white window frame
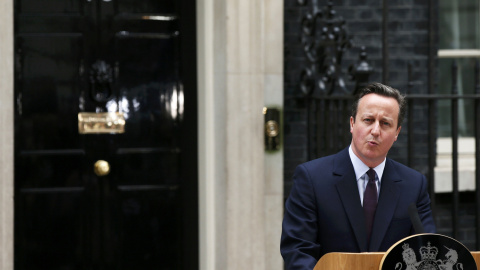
column 466, row 145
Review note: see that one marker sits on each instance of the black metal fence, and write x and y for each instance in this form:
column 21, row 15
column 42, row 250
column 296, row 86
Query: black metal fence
column 327, row 103
column 328, row 133
column 453, row 98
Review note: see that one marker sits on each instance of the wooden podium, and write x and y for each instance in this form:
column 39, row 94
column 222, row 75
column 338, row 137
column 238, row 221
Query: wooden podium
column 420, row 251
column 360, row 261
column 350, row 261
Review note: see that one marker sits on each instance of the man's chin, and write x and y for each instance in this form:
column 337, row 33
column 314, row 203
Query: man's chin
column 372, row 156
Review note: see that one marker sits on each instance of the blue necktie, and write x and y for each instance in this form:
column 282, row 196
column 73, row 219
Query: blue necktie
column 370, row 202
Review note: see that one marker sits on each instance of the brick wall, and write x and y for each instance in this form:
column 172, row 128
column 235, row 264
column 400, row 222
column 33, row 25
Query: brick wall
column 408, row 42
column 466, row 217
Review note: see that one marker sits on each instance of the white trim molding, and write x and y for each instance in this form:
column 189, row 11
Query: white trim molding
column 240, row 70
column 466, row 164
column 6, row 135
column 459, row 53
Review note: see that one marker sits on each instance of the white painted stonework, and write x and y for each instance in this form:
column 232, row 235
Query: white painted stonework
column 240, row 70
column 6, row 135
column 466, row 165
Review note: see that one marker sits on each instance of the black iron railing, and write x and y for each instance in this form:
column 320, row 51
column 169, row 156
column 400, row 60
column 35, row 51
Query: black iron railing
column 453, row 99
column 328, row 132
column 327, row 102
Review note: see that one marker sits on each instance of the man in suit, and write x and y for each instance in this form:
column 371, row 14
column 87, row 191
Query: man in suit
column 356, row 200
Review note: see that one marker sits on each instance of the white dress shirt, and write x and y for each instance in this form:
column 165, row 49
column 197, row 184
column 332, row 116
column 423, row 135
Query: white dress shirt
column 361, row 174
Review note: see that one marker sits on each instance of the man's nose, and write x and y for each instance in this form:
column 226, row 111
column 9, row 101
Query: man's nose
column 376, row 129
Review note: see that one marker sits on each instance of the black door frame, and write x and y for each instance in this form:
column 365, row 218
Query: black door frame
column 189, row 133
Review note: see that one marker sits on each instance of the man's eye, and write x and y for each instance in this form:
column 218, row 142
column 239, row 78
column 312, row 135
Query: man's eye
column 367, row 120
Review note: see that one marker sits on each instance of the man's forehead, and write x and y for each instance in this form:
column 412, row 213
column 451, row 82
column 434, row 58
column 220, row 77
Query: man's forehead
column 375, row 95
column 364, row 105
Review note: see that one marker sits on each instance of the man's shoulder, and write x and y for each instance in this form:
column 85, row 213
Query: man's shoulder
column 401, row 168
column 327, row 161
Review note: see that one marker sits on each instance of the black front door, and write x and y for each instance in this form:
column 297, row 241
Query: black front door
column 133, row 59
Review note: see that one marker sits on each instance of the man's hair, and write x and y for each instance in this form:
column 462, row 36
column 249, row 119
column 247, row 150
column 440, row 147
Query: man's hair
column 382, row 90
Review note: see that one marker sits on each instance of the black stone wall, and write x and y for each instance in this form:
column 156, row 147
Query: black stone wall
column 407, row 39
column 466, row 218
column 409, row 28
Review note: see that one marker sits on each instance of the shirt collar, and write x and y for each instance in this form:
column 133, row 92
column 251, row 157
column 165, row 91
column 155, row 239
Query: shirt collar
column 360, row 167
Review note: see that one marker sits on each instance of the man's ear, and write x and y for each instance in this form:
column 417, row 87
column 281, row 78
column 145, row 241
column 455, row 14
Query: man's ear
column 398, row 132
column 352, row 121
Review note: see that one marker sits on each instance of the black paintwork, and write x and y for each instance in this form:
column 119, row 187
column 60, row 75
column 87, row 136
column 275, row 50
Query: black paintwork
column 125, row 56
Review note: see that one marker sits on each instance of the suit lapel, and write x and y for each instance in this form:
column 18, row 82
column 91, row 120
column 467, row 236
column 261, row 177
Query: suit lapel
column 348, row 190
column 387, row 203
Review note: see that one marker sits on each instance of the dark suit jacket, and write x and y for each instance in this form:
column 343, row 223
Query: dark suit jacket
column 324, row 214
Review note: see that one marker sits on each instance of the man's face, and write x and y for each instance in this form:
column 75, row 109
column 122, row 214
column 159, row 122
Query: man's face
column 374, row 129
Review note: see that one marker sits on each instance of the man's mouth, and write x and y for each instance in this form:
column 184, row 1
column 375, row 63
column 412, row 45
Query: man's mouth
column 372, row 143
